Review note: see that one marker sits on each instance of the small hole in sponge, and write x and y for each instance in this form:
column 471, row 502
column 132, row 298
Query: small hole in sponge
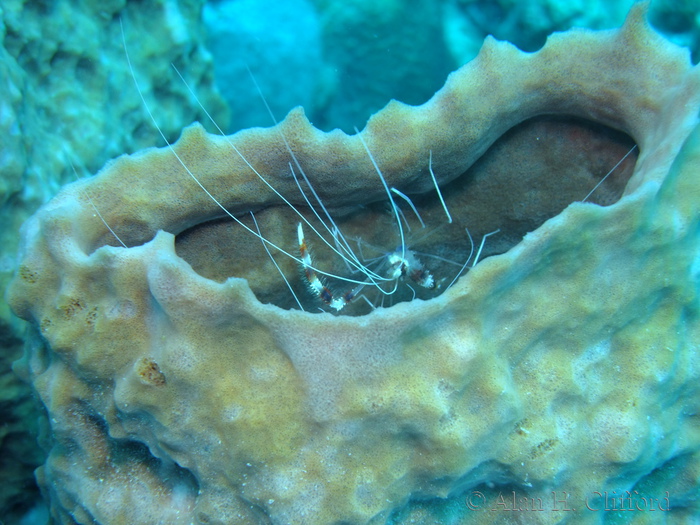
column 149, row 372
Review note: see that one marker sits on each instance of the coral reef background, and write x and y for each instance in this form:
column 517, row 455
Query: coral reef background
column 68, row 100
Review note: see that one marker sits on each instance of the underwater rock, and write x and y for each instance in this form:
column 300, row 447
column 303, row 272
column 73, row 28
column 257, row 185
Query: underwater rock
column 19, row 452
column 562, row 368
column 62, row 113
column 63, row 72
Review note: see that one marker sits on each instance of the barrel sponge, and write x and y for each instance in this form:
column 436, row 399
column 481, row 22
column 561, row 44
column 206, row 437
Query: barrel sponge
column 559, row 371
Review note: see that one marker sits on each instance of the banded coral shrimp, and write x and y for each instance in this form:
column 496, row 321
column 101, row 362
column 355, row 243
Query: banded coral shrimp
column 397, row 264
column 360, row 239
column 495, row 193
column 368, row 252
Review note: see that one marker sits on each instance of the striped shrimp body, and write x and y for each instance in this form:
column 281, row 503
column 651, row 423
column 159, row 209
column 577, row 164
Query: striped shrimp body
column 400, row 264
column 391, row 267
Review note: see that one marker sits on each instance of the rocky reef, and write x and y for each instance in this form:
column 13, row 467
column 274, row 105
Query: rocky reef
column 63, row 115
column 558, row 375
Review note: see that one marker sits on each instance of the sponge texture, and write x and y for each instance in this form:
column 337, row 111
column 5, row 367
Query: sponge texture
column 567, row 366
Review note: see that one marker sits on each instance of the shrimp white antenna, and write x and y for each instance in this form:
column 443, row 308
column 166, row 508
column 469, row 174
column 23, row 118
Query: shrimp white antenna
column 317, row 286
column 351, row 258
column 286, row 281
column 410, row 203
column 437, row 188
column 471, row 252
column 464, row 266
column 388, row 192
column 196, row 180
column 412, row 290
column 481, row 246
column 354, row 260
column 609, row 173
column 405, row 221
column 368, row 302
column 338, row 243
column 340, row 240
column 87, row 194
